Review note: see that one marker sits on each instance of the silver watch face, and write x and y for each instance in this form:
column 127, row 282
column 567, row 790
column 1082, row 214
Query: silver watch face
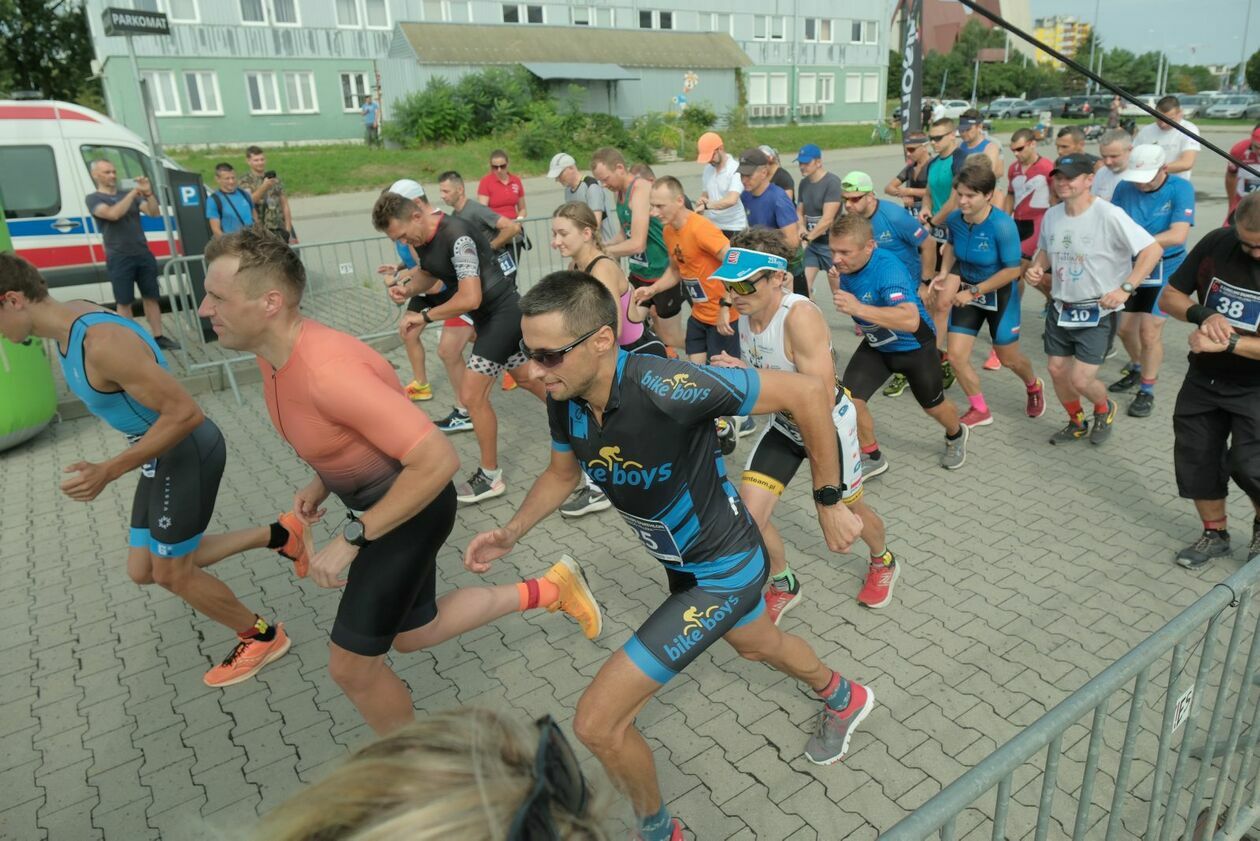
column 353, row 531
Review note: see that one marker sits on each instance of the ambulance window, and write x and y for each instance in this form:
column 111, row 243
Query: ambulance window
column 128, row 162
column 28, row 182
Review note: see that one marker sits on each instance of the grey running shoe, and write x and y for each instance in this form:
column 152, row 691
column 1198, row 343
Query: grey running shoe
column 1127, row 382
column 897, row 387
column 947, row 373
column 587, row 499
column 745, row 427
column 830, row 741
column 479, row 486
column 166, row 343
column 1074, row 431
column 457, row 421
column 1211, row 544
column 956, row 451
column 1142, row 405
column 1103, row 422
column 872, row 467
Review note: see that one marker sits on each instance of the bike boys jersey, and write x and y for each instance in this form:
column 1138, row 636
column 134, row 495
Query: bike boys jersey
column 656, row 457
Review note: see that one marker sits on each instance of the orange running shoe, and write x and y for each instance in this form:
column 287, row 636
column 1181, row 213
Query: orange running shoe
column 576, row 598
column 508, row 382
column 247, row 658
column 300, row 547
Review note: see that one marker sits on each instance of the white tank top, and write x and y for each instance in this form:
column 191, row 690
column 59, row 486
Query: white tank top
column 767, row 350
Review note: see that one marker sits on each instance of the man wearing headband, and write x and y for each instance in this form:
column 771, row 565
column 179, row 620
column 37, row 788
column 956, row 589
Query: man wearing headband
column 974, row 142
column 782, row 331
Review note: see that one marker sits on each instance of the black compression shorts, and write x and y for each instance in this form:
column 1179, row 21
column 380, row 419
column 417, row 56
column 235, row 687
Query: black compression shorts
column 869, row 369
column 391, row 584
column 498, row 342
column 667, row 304
column 705, row 338
column 648, row 343
column 779, row 451
column 176, row 493
column 1002, row 318
column 1216, row 435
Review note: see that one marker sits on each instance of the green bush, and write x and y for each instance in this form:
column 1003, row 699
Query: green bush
column 498, row 98
column 698, row 118
column 433, row 115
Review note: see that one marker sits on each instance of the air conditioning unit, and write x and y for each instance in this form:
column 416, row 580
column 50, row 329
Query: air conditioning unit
column 780, row 110
column 756, row 110
column 810, row 110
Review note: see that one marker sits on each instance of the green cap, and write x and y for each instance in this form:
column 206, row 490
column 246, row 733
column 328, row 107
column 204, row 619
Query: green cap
column 857, row 182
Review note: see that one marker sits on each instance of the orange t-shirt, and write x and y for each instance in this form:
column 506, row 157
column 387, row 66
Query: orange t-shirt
column 696, row 250
column 339, row 404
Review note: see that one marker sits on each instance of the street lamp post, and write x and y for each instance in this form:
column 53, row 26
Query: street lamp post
column 1242, row 61
column 1093, row 42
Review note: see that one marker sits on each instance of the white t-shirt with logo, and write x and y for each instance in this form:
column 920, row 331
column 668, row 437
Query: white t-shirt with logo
column 717, row 184
column 1105, row 182
column 1090, row 254
column 1171, row 141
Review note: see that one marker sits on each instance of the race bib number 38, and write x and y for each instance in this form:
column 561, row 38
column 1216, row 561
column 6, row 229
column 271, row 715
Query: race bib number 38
column 1241, row 307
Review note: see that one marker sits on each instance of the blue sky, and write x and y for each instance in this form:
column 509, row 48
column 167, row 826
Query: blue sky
column 1212, row 28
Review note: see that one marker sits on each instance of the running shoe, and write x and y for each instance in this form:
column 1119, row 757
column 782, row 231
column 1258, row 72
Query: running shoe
column 897, row 387
column 1142, row 405
column 479, row 486
column 1036, row 400
column 947, row 373
column 417, row 392
column 1103, row 422
column 872, row 467
column 247, row 658
column 992, row 363
column 955, row 455
column 780, row 599
column 457, row 421
column 299, row 547
column 974, row 417
column 830, row 741
column 745, row 426
column 727, row 439
column 675, row 834
column 1075, row 430
column 880, row 580
column 1111, row 351
column 1211, row 544
column 1127, row 382
column 587, row 499
column 508, row 382
column 576, row 598
column 167, row 343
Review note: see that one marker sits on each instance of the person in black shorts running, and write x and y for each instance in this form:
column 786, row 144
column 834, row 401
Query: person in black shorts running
column 339, row 404
column 642, row 428
column 457, row 254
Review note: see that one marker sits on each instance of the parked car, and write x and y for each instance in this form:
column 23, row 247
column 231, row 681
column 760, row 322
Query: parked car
column 1253, row 111
column 1233, row 107
column 1004, row 108
column 955, row 107
column 1053, row 104
column 1128, row 109
column 1078, row 106
column 1192, row 104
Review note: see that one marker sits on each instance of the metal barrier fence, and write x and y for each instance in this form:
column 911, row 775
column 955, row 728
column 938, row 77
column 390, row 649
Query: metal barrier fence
column 1143, row 802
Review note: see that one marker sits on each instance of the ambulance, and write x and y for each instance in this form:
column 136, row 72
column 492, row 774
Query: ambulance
column 45, row 149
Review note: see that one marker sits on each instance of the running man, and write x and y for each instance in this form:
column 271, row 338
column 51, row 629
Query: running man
column 1115, row 147
column 642, row 428
column 883, row 298
column 974, row 141
column 1028, row 190
column 1239, row 182
column 719, row 201
column 782, row 331
column 1180, row 150
column 910, row 184
column 1085, row 260
column 938, row 202
column 984, row 252
column 339, row 404
column 641, row 241
column 455, row 253
column 120, row 374
column 1215, row 434
column 1164, row 207
column 819, row 200
column 770, row 206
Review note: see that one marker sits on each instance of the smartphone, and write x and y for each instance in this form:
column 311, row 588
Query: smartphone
column 271, row 173
column 126, row 185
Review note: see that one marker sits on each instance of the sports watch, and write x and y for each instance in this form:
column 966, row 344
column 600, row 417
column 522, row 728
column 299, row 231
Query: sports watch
column 424, row 313
column 1126, row 288
column 353, row 532
column 828, row 495
column 1233, row 343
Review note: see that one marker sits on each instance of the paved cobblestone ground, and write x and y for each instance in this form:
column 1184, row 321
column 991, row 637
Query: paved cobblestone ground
column 1025, row 573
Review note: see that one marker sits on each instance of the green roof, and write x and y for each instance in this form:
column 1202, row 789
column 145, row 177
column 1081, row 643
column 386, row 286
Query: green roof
column 479, row 44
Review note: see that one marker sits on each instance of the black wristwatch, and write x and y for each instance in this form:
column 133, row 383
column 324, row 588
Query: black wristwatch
column 828, row 495
column 1233, row 343
column 353, row 532
column 424, row 313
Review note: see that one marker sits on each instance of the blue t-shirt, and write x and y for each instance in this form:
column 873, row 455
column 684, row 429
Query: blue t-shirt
column 771, row 209
column 234, row 210
column 899, row 232
column 884, row 282
column 985, row 249
column 1156, row 212
column 404, row 254
column 369, row 113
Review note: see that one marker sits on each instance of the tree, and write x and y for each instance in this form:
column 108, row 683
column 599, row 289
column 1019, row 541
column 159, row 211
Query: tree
column 45, row 46
column 1252, row 73
column 894, row 74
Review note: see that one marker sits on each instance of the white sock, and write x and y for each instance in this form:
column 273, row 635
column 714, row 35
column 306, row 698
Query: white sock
column 494, row 475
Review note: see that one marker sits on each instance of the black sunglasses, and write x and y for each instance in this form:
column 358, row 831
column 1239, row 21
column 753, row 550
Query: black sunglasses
column 1018, row 149
column 747, row 286
column 498, row 166
column 552, row 358
column 937, row 138
column 557, row 779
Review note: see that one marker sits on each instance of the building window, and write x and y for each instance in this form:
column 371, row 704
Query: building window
column 522, row 13
column 348, row 13
column 645, row 20
column 299, row 92
column 826, row 88
column 162, row 93
column 720, row 22
column 201, row 87
column 865, row 32
column 778, row 89
column 354, row 14
column 270, row 13
column 870, row 87
column 861, row 87
column 769, row 27
column 666, row 20
column 807, row 88
column 178, row 11
column 263, row 92
column 581, row 16
column 656, row 19
column 818, row 30
column 446, row 11
column 354, row 86
column 757, row 89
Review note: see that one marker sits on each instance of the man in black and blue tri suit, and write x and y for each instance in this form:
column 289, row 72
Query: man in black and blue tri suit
column 642, row 430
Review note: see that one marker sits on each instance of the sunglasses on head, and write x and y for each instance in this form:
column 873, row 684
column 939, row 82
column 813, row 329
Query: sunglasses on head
column 552, row 357
column 557, row 779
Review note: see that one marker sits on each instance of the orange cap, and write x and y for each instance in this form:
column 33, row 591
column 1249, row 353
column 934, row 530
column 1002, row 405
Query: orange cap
column 708, row 143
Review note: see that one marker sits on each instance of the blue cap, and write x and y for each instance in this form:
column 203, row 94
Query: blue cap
column 742, row 263
column 809, row 153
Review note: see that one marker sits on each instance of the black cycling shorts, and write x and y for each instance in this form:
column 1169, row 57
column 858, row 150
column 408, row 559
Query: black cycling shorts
column 667, row 304
column 699, row 611
column 1003, row 321
column 869, row 369
column 391, row 583
column 705, row 338
column 498, row 342
column 779, row 451
column 1216, row 435
column 176, row 493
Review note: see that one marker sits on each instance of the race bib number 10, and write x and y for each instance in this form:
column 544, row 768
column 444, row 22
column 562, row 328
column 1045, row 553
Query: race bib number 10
column 1075, row 316
column 1241, row 307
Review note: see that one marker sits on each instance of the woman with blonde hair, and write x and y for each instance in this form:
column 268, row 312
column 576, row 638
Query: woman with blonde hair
column 471, row 774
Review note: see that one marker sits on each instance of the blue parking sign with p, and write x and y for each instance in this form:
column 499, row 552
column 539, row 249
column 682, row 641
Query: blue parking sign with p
column 188, row 195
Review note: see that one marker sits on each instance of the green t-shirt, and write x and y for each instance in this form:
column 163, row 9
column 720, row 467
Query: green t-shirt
column 653, row 262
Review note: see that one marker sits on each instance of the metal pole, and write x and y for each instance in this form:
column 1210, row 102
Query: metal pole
column 1093, row 41
column 975, row 81
column 1242, row 61
column 155, row 149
